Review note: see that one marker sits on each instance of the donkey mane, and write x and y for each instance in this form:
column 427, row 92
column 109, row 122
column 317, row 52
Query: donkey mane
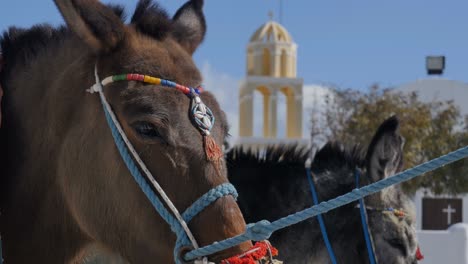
column 19, row 46
column 270, row 156
column 285, row 164
column 331, row 155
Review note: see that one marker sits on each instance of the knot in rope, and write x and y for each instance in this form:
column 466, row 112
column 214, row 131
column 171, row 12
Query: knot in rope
column 259, row 231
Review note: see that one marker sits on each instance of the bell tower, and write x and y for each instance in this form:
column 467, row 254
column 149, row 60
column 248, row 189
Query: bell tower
column 271, row 70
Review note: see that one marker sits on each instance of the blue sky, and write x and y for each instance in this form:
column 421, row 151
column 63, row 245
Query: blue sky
column 345, row 43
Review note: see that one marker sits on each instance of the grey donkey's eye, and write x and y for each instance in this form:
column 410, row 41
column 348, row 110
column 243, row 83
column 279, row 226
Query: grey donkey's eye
column 399, row 245
column 146, row 130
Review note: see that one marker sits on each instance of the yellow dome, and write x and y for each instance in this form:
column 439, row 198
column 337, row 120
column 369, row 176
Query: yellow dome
column 271, row 32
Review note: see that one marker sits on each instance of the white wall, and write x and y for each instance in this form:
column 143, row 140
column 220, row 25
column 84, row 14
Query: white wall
column 445, row 247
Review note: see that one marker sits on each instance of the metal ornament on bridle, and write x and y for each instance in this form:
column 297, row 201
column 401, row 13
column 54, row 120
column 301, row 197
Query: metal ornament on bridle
column 204, row 118
column 202, row 115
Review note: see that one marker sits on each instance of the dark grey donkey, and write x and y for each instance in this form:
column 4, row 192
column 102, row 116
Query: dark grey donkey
column 273, row 184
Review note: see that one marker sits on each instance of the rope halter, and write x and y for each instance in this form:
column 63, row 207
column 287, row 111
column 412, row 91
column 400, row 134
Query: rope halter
column 364, row 220
column 204, row 120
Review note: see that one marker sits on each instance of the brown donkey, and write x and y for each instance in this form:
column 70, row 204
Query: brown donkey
column 66, row 194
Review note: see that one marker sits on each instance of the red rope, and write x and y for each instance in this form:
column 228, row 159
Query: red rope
column 260, row 251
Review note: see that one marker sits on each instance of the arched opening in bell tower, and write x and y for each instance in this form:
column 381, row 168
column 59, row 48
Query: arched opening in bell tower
column 261, row 112
column 290, row 115
column 282, row 115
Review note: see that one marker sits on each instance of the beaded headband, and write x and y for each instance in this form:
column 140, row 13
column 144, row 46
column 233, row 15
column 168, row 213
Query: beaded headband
column 202, row 114
column 151, row 80
column 396, row 212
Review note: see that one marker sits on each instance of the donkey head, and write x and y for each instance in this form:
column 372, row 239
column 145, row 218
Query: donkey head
column 394, row 231
column 157, row 121
column 390, row 213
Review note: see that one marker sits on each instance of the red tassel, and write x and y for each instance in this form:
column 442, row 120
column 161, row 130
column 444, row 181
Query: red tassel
column 212, row 150
column 419, row 255
column 258, row 252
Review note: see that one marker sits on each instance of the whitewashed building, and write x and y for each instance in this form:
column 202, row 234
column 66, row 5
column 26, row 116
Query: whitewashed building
column 439, row 212
column 442, row 220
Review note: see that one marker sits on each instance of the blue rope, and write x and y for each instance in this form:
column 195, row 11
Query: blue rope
column 194, row 209
column 365, row 225
column 209, row 197
column 323, row 229
column 135, row 171
column 263, row 229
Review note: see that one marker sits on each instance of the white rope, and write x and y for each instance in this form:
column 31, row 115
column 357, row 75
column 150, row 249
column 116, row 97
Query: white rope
column 97, row 87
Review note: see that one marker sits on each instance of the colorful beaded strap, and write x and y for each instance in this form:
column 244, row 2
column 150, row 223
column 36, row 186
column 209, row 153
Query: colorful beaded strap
column 396, row 212
column 202, row 114
column 151, row 80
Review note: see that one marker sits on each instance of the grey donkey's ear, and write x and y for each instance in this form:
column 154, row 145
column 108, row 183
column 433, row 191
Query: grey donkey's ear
column 189, row 25
column 385, row 153
column 94, row 23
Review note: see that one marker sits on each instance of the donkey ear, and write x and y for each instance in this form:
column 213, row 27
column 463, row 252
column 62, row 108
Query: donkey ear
column 385, row 154
column 189, row 25
column 94, row 23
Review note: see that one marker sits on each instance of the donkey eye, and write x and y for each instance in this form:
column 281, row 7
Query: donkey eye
column 398, row 244
column 146, row 130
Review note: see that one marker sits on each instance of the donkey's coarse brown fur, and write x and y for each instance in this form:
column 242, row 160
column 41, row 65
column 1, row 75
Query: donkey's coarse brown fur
column 65, row 193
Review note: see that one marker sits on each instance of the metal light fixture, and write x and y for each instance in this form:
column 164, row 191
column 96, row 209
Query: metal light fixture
column 435, row 65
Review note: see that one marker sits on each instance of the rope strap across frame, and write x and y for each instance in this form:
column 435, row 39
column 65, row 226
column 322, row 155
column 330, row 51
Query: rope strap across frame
column 262, row 230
